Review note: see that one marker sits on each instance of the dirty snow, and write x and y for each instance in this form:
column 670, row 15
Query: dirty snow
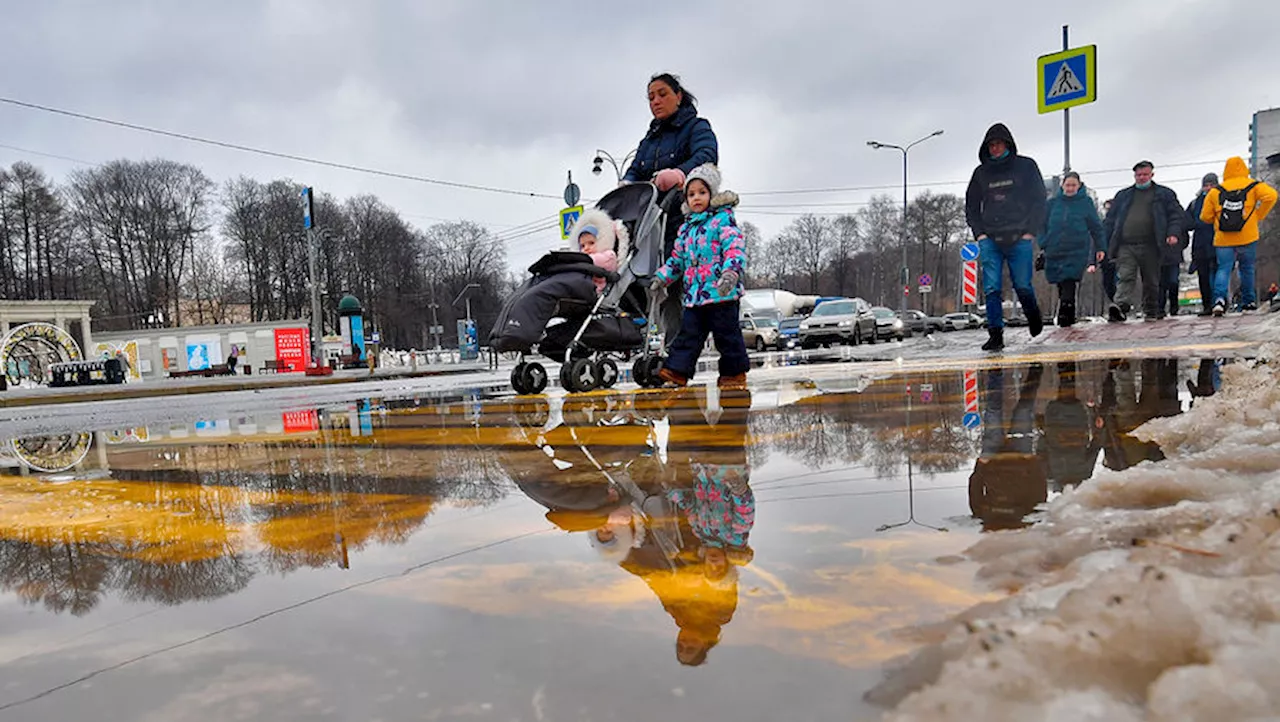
column 1147, row 594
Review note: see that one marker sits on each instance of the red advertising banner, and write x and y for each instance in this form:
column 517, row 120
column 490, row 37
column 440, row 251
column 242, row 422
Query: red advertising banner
column 293, row 348
column 298, row 422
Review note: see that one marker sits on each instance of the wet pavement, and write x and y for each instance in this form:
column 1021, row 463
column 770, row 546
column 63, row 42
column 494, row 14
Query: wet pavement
column 628, row 555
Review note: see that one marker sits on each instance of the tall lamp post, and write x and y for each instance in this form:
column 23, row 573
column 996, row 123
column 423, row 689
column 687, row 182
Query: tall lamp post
column 465, row 293
column 602, row 157
column 906, row 277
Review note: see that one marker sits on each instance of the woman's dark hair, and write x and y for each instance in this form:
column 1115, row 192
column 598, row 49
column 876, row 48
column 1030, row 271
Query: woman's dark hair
column 673, row 82
column 1072, row 174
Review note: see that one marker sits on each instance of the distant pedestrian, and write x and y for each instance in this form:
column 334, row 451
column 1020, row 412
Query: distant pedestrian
column 1146, row 217
column 1236, row 207
column 232, row 360
column 1204, row 262
column 1072, row 242
column 1005, row 207
column 1107, row 267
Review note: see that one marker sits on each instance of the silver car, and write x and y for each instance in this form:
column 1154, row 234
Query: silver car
column 761, row 332
column 960, row 321
column 841, row 320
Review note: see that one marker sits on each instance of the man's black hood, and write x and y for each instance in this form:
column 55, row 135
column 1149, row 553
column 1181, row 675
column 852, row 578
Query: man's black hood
column 997, row 131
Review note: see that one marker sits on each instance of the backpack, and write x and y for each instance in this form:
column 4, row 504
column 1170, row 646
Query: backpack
column 1232, row 218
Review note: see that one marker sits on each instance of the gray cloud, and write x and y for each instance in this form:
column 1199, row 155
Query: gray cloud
column 514, row 94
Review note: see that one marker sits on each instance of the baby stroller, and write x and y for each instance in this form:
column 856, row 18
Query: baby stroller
column 559, row 314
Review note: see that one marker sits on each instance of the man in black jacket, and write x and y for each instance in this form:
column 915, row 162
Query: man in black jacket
column 1145, row 217
column 1204, row 261
column 1005, row 208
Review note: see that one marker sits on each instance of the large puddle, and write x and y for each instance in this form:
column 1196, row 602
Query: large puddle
column 627, row 556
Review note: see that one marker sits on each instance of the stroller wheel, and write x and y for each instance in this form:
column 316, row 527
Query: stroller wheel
column 653, row 365
column 583, row 374
column 606, row 373
column 517, row 378
column 566, row 376
column 640, row 372
column 535, row 378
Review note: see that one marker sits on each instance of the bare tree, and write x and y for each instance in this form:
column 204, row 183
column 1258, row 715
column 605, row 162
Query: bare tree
column 139, row 222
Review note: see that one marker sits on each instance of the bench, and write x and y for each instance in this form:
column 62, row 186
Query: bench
column 218, row 370
column 272, row 365
column 350, row 361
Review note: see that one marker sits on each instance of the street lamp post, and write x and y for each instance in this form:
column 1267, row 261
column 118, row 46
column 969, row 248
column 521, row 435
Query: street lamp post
column 602, row 157
column 468, row 287
column 906, row 276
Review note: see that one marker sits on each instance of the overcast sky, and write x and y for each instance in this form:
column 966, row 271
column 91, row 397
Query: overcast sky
column 514, row 94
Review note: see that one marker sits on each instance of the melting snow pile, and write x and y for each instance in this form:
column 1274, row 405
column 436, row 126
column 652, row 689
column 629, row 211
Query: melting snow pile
column 1148, row 594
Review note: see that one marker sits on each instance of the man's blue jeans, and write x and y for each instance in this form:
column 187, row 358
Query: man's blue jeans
column 1019, row 256
column 1247, row 256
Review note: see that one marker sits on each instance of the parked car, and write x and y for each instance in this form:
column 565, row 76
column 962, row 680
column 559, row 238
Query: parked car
column 958, row 322
column 919, row 322
column 789, row 333
column 888, row 325
column 760, row 332
column 844, row 320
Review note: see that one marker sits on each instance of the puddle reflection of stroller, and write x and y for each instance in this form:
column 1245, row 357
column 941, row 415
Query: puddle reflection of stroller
column 558, row 313
column 592, row 461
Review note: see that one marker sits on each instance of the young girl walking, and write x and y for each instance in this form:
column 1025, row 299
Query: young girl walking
column 709, row 256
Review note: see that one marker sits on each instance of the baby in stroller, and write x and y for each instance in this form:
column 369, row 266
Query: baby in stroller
column 602, row 238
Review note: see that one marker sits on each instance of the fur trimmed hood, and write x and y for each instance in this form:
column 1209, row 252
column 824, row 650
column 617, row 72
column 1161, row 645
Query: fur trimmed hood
column 719, row 200
column 611, row 235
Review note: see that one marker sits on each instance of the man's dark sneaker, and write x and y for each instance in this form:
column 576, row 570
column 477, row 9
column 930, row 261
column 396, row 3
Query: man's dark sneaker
column 1035, row 322
column 1249, row 307
column 1219, row 308
column 1114, row 314
column 1126, row 309
column 995, row 340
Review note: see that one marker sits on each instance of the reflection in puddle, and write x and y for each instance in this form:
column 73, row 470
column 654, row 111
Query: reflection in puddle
column 743, row 533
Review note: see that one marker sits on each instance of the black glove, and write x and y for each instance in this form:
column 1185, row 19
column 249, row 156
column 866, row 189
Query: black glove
column 1040, row 262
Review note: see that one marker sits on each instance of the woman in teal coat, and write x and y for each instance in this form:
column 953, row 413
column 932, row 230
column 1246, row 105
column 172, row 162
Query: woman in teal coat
column 1071, row 243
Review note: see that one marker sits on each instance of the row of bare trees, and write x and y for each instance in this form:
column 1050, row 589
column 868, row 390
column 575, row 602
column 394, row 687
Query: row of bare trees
column 158, row 242
column 860, row 254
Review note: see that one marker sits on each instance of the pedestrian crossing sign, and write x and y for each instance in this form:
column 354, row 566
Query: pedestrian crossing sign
column 1067, row 79
column 568, row 217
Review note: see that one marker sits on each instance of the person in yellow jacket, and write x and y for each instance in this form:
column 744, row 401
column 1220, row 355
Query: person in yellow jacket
column 1236, row 208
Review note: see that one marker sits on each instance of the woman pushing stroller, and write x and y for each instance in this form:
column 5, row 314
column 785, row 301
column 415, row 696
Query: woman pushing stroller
column 709, row 257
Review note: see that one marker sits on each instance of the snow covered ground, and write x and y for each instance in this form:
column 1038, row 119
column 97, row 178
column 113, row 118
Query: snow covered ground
column 1147, row 594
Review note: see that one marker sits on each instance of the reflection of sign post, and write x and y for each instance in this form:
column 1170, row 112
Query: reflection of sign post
column 971, row 419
